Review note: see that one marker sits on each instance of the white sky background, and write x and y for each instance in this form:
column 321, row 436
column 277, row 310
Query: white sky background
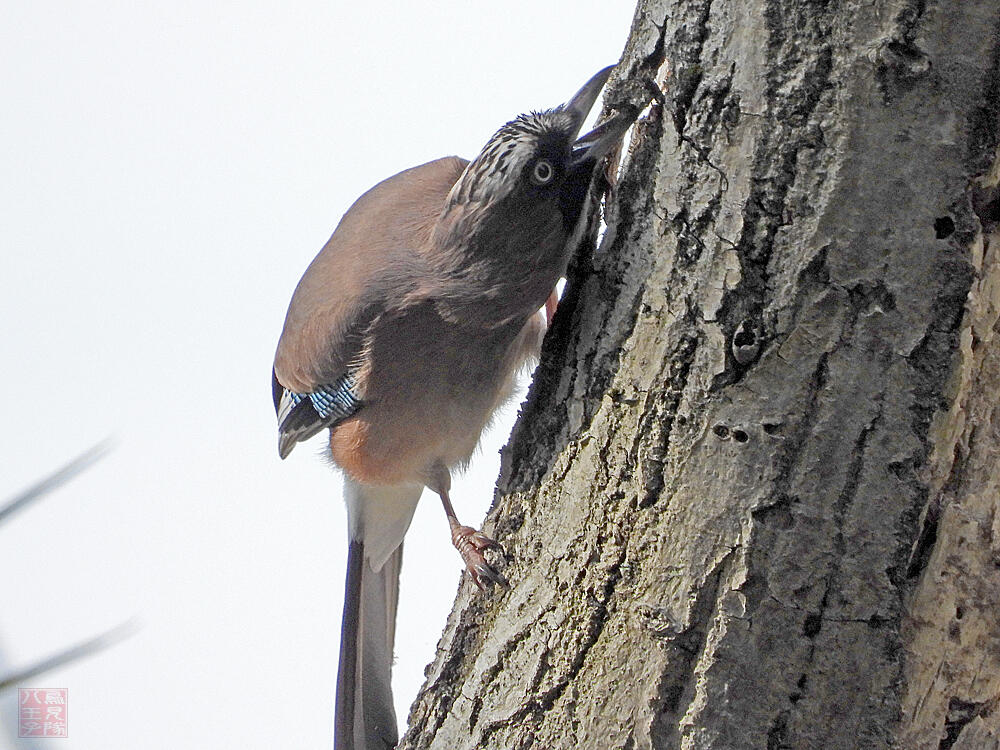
column 168, row 171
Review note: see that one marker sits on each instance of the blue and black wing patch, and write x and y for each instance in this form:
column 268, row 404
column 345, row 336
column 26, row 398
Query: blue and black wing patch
column 302, row 415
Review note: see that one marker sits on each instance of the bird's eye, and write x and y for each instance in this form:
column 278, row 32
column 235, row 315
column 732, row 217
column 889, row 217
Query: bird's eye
column 542, row 173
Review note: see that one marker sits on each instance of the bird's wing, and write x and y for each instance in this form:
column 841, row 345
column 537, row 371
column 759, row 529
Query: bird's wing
column 302, row 415
column 371, row 262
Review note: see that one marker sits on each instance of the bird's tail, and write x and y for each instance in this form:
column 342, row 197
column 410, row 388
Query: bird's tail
column 365, row 719
column 379, row 516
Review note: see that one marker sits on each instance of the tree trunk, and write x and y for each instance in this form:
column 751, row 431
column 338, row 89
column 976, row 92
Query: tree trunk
column 752, row 501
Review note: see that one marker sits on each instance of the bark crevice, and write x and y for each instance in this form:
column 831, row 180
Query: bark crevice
column 751, row 501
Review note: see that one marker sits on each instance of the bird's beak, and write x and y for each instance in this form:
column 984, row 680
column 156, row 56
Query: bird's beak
column 583, row 100
column 595, row 144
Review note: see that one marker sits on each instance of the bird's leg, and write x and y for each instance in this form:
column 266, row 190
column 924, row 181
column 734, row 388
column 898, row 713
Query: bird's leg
column 469, row 542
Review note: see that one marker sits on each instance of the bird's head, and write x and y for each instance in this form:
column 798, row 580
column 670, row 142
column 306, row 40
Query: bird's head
column 518, row 211
column 537, row 160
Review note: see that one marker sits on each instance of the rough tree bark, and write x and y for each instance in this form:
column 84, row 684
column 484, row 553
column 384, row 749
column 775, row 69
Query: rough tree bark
column 752, row 501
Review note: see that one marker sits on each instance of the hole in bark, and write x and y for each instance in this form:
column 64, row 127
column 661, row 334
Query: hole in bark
column 744, row 337
column 875, row 622
column 959, row 613
column 944, row 226
column 721, row 431
column 960, row 713
column 740, row 436
column 682, row 420
column 771, row 428
column 745, row 344
column 812, row 625
column 801, row 684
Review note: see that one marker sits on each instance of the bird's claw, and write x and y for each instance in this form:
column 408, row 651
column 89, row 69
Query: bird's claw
column 482, row 572
column 470, row 545
column 480, row 541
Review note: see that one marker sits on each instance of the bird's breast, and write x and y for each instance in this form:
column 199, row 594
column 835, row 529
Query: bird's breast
column 429, row 386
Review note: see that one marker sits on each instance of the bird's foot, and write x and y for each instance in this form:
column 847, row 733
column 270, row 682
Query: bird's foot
column 470, row 545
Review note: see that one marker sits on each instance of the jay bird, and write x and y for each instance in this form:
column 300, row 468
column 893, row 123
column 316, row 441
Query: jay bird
column 403, row 338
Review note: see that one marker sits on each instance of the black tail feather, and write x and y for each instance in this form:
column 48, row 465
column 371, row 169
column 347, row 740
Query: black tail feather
column 364, row 717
